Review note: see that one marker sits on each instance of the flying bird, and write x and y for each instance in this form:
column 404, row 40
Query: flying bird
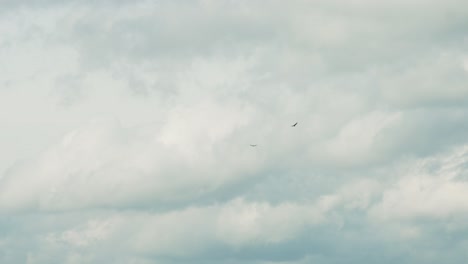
column 294, row 124
column 252, row 145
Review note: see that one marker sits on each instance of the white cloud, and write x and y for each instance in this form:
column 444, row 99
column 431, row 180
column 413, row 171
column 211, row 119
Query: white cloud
column 126, row 129
column 241, row 223
column 235, row 225
column 355, row 140
column 107, row 165
column 427, row 192
column 465, row 64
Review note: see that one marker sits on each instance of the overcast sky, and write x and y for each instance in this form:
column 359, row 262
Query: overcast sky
column 125, row 131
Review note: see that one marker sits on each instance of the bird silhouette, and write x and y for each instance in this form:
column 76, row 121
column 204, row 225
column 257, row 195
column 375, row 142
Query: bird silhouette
column 294, row 124
column 252, row 145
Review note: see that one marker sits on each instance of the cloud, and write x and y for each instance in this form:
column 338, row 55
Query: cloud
column 420, row 84
column 435, row 188
column 127, row 125
column 106, row 165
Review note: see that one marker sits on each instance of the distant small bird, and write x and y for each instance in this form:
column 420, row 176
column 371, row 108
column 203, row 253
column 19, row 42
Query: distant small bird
column 294, row 124
column 253, row 145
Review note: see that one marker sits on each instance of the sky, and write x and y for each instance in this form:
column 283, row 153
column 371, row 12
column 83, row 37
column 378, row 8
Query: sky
column 125, row 131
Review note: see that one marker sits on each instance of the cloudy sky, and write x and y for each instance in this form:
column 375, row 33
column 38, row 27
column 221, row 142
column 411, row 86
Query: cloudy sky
column 125, row 131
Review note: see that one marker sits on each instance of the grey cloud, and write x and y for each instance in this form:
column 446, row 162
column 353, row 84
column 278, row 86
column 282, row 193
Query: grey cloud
column 374, row 171
column 69, row 89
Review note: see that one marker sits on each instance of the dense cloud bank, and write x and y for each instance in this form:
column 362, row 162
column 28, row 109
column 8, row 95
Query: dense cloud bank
column 126, row 129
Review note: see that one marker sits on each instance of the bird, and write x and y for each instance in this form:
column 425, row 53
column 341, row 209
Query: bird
column 294, row 124
column 252, row 145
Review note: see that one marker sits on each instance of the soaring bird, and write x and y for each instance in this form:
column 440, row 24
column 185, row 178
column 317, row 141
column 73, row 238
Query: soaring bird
column 294, row 124
column 252, row 145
